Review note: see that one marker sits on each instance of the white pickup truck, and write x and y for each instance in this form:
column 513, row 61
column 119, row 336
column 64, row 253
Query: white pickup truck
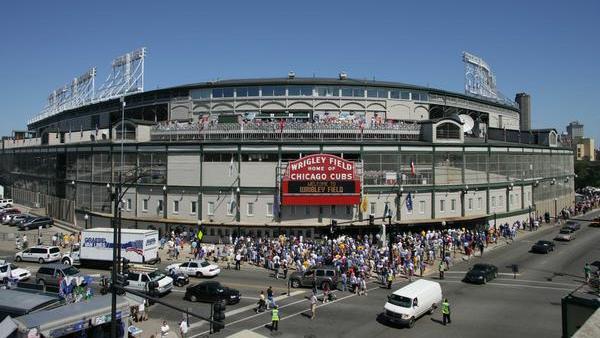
column 141, row 279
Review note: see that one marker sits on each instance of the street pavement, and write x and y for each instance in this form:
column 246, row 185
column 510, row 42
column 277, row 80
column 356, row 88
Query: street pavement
column 526, row 306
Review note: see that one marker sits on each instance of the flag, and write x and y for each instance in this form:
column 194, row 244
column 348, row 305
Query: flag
column 364, row 204
column 232, row 203
column 412, row 168
column 231, row 167
column 409, row 202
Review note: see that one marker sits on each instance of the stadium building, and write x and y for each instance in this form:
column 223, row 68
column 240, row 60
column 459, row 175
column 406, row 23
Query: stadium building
column 287, row 155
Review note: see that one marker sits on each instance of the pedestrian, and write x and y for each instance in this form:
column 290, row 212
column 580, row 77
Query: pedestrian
column 176, row 252
column 363, row 286
column 54, row 239
column 390, row 278
column 313, row 306
column 183, row 328
column 275, row 318
column 344, row 281
column 446, row 312
column 587, row 271
column 270, row 301
column 141, row 311
column 238, row 261
column 325, row 293
column 25, row 243
column 441, row 267
column 164, row 329
column 314, row 285
column 285, row 269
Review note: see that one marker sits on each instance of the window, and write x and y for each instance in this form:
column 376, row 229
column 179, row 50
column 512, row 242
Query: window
column 470, row 204
column 230, row 207
column 500, row 201
column 293, row 210
column 394, row 94
column 333, row 210
column 269, row 209
column 442, row 205
column 273, row 91
column 245, row 92
column 405, row 95
column 307, row 210
column 300, row 91
column 493, row 201
column 421, row 207
column 373, row 208
column 210, row 210
column 348, row 210
column 175, row 207
column 448, row 131
column 250, row 209
column 145, row 205
column 193, row 208
column 328, row 91
column 377, row 92
column 129, row 204
column 479, row 200
column 355, row 92
column 529, row 196
column 512, row 199
column 452, row 204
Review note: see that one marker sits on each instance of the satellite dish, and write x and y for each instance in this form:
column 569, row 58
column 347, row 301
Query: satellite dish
column 468, row 123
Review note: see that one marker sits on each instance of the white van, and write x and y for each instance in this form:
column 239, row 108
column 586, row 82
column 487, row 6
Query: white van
column 6, row 203
column 412, row 301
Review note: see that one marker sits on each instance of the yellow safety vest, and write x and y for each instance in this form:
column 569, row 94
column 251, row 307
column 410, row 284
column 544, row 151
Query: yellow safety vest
column 390, row 277
column 275, row 316
column 445, row 308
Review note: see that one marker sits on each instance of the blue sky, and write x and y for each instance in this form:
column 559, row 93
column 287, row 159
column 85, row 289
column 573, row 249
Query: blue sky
column 549, row 50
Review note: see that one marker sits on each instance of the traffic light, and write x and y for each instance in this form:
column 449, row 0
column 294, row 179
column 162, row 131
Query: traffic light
column 218, row 316
column 371, row 219
column 125, row 265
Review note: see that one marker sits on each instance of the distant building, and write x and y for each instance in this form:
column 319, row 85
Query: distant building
column 586, row 149
column 575, row 130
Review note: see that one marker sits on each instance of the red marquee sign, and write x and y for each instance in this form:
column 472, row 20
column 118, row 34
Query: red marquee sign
column 320, row 179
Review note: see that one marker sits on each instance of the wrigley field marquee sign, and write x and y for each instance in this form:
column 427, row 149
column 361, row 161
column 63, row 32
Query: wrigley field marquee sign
column 320, row 179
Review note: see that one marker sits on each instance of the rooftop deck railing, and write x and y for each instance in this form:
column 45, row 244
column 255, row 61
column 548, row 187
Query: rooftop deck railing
column 290, row 131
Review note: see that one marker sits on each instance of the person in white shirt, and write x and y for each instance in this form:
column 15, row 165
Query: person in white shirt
column 183, row 328
column 164, row 329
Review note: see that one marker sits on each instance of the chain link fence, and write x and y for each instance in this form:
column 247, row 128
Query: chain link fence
column 52, row 206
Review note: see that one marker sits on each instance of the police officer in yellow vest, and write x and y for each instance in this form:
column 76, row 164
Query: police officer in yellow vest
column 446, row 311
column 275, row 318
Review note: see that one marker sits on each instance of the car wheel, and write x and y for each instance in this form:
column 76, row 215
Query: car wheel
column 26, row 228
column 411, row 322
column 41, row 261
column 18, row 259
column 295, row 283
column 199, row 274
column 66, row 261
column 193, row 298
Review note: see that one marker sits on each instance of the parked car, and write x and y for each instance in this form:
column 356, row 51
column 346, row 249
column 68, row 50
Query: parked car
column 5, row 213
column 15, row 219
column 324, row 275
column 412, row 301
column 17, row 273
column 481, row 273
column 198, row 268
column 573, row 225
column 50, row 274
column 565, row 234
column 34, row 223
column 6, row 203
column 210, row 292
column 543, row 247
column 41, row 254
column 595, row 223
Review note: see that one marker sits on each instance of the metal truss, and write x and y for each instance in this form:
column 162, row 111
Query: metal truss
column 126, row 77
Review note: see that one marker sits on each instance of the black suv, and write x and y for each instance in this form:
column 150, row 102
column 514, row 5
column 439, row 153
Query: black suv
column 37, row 222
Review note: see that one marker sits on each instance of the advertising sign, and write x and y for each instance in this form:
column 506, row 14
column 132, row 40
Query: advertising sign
column 320, row 179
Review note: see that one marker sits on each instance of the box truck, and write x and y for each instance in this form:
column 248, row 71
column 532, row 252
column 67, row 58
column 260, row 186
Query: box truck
column 137, row 245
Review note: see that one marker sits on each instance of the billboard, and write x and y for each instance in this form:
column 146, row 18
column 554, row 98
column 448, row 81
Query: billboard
column 320, row 179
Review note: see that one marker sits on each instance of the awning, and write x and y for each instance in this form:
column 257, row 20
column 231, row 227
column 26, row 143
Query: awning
column 7, row 327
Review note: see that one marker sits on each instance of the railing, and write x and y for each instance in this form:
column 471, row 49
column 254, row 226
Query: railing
column 296, row 131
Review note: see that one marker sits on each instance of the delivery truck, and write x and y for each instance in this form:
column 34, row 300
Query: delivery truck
column 137, row 245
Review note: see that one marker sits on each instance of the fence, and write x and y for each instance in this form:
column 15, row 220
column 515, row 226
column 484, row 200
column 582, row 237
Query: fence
column 55, row 207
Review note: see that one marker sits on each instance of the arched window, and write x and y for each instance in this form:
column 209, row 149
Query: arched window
column 128, row 131
column 45, row 137
column 448, row 131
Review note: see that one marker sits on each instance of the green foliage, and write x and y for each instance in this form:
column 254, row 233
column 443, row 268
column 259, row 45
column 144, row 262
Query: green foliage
column 588, row 174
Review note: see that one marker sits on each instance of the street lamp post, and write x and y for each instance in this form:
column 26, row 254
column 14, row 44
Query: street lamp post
column 86, row 217
column 443, row 241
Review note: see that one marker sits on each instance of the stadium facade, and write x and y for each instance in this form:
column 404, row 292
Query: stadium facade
column 287, row 155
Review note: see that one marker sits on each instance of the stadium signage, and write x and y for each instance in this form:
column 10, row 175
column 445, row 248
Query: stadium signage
column 320, row 179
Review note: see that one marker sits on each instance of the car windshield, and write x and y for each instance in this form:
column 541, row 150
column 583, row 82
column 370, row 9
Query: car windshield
column 479, row 267
column 155, row 275
column 70, row 271
column 400, row 301
column 204, row 264
column 543, row 243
